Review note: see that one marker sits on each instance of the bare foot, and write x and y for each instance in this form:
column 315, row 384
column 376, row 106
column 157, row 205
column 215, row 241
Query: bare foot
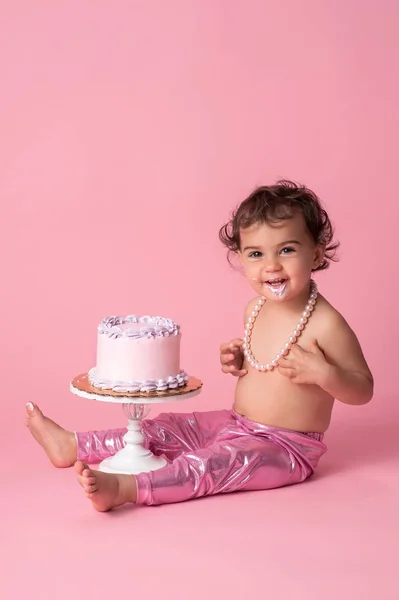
column 59, row 444
column 106, row 490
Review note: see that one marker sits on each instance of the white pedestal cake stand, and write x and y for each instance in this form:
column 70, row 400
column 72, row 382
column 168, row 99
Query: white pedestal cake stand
column 133, row 458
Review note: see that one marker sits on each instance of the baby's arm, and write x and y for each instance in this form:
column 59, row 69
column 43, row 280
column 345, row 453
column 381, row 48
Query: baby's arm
column 231, row 354
column 348, row 377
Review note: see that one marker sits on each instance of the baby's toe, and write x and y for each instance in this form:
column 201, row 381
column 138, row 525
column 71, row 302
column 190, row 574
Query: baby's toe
column 90, row 488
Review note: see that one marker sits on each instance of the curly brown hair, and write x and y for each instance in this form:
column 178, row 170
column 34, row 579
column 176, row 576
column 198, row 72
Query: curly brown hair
column 275, row 203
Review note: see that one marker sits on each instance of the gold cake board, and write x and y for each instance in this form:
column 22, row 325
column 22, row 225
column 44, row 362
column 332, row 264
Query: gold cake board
column 82, row 384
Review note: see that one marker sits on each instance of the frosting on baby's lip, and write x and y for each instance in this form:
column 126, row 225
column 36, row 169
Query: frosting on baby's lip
column 278, row 287
column 132, row 326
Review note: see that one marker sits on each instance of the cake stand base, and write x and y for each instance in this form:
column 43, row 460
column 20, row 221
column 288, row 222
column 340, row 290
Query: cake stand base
column 132, row 466
column 133, row 458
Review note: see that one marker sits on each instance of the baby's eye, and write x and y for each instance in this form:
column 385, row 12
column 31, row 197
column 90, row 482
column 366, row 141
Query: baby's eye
column 255, row 254
column 287, row 250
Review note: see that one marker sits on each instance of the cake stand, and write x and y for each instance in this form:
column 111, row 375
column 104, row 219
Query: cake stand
column 133, row 458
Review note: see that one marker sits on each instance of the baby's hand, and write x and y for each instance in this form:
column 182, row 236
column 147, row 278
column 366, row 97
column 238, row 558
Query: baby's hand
column 303, row 366
column 232, row 358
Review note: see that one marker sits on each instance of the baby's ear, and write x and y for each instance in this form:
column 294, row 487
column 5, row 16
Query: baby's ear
column 319, row 256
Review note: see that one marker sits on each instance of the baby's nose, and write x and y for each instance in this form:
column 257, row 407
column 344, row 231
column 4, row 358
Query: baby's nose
column 271, row 265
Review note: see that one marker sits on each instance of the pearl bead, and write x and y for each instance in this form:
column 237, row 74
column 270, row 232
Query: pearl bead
column 291, row 340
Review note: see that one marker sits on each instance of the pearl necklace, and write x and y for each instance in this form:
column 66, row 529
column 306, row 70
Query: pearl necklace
column 291, row 340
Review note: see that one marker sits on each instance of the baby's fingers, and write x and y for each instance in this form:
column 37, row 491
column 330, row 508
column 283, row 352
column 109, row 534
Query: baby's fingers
column 231, row 346
column 232, row 370
column 226, row 358
column 236, row 343
column 240, row 373
column 229, row 368
column 287, row 372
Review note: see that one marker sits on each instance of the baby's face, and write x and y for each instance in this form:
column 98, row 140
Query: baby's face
column 278, row 259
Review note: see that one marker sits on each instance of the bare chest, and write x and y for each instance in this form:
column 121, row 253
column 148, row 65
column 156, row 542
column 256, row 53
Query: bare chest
column 271, row 333
column 270, row 397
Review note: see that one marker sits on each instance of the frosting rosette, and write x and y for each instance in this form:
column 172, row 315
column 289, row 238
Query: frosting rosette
column 137, row 327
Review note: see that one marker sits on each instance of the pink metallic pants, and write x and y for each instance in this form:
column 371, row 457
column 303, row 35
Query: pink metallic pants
column 211, row 453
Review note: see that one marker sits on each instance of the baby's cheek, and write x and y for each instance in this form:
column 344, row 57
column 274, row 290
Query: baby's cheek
column 249, row 269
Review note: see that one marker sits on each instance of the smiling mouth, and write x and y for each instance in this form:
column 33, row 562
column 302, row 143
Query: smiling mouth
column 276, row 286
column 275, row 282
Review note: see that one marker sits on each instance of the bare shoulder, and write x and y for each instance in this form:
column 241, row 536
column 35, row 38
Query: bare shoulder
column 328, row 317
column 337, row 339
column 331, row 325
column 249, row 308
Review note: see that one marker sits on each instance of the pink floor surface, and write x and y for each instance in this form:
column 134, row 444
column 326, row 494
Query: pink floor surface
column 334, row 537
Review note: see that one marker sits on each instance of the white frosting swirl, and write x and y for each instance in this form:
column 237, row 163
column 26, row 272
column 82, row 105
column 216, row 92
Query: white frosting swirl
column 152, row 327
column 147, row 385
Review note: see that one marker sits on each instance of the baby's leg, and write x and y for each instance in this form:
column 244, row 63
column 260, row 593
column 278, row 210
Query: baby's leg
column 172, row 434
column 169, row 434
column 244, row 463
column 95, row 446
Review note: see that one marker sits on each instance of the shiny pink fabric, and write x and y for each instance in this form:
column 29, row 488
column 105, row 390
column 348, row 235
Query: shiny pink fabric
column 212, row 453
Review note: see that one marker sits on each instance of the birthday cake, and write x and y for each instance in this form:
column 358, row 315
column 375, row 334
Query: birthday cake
column 138, row 354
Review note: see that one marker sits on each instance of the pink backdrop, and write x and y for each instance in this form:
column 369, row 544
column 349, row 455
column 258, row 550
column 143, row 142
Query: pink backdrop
column 128, row 132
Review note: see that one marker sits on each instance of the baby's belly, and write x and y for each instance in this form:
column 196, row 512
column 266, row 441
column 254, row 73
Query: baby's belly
column 271, row 399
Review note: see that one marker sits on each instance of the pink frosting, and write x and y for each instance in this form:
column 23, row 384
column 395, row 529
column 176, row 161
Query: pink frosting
column 124, row 359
